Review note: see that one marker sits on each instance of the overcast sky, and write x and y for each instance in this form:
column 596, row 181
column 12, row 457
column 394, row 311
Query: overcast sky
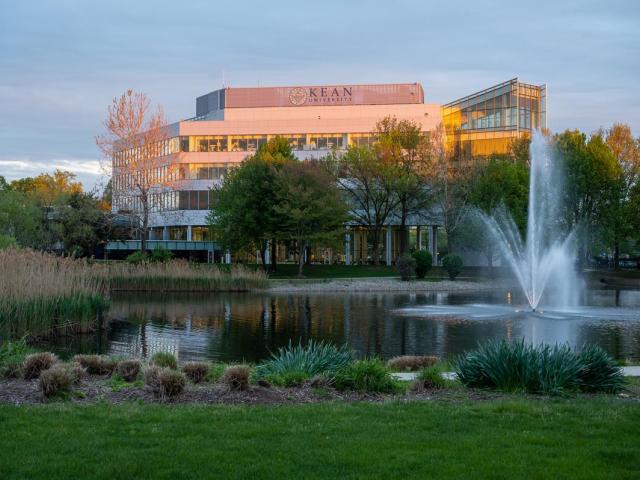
column 61, row 62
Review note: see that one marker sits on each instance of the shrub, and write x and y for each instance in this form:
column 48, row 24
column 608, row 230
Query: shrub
column 431, row 377
column 137, row 257
column 56, row 381
column 128, row 369
column 96, row 364
column 216, row 371
column 406, row 265
column 36, row 363
column 424, row 260
column 314, row 358
column 453, row 265
column 196, row 371
column 161, row 254
column 600, row 372
column 164, row 359
column 411, row 363
column 7, row 241
column 544, row 369
column 12, row 355
column 171, row 382
column 152, row 377
column 287, row 379
column 236, row 377
column 366, row 376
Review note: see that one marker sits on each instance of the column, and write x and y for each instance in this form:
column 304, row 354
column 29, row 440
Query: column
column 165, row 233
column 189, row 233
column 433, row 243
column 347, row 249
column 418, row 238
column 227, row 257
column 387, row 247
column 267, row 254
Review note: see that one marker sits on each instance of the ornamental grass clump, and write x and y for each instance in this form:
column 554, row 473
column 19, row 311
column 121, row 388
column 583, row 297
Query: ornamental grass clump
column 36, row 363
column 545, row 369
column 411, row 363
column 431, row 378
column 96, row 364
column 128, row 369
column 196, row 372
column 163, row 381
column 236, row 377
column 367, row 376
column 600, row 372
column 314, row 358
column 57, row 380
column 164, row 359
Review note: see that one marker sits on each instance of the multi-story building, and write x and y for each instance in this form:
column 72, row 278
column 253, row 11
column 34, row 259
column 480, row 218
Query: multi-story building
column 231, row 123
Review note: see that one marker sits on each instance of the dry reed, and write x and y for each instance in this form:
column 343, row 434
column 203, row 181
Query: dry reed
column 41, row 294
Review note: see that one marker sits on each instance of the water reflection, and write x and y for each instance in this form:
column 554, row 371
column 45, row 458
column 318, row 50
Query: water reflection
column 236, row 327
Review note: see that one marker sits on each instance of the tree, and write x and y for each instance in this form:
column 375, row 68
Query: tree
column 243, row 212
column 83, row 225
column 134, row 133
column 310, row 206
column 626, row 150
column 501, row 181
column 20, row 217
column 449, row 178
column 592, row 183
column 368, row 185
column 403, row 147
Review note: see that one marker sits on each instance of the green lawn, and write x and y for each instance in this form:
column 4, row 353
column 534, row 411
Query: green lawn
column 513, row 438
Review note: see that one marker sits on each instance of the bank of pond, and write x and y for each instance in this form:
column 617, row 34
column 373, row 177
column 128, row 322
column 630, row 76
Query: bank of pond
column 302, row 373
column 43, row 294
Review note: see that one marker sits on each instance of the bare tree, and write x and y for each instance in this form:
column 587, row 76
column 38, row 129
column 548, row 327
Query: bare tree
column 449, row 177
column 134, row 141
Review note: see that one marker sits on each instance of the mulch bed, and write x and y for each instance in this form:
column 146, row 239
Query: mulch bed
column 95, row 389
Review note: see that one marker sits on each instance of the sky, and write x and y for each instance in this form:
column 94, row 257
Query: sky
column 61, row 62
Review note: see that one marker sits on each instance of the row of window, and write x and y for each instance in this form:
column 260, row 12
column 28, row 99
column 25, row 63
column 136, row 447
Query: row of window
column 166, row 201
column 235, row 143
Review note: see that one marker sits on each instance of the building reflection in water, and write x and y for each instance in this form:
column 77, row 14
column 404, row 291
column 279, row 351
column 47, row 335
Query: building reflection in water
column 248, row 327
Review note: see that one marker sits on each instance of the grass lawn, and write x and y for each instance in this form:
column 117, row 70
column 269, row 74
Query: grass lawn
column 516, row 437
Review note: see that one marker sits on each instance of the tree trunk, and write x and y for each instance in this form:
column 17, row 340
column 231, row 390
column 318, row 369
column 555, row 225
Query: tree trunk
column 616, row 255
column 301, row 249
column 145, row 225
column 403, row 230
column 274, row 251
column 263, row 254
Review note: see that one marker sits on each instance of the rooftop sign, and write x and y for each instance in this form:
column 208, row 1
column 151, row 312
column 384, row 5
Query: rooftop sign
column 298, row 96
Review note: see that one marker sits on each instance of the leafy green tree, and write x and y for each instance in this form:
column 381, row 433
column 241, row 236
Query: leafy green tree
column 368, row 186
column 20, row 218
column 404, row 148
column 243, row 212
column 620, row 214
column 310, row 206
column 592, row 184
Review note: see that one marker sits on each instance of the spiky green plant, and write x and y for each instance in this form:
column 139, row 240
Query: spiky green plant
column 314, row 358
column 553, row 370
column 367, row 376
column 600, row 372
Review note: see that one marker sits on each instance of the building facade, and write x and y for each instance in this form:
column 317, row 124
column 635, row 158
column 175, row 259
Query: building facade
column 232, row 123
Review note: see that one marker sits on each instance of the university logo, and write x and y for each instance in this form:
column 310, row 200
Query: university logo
column 298, row 96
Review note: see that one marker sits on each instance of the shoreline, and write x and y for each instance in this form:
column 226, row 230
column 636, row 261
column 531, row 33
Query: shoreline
column 385, row 284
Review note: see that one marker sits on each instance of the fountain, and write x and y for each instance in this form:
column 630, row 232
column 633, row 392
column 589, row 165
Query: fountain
column 542, row 262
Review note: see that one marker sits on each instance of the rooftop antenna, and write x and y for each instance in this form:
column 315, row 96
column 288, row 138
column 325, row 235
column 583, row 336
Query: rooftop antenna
column 224, row 83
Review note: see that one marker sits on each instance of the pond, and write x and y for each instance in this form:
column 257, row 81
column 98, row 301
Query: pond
column 247, row 327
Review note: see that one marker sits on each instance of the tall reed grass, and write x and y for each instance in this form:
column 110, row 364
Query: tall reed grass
column 182, row 276
column 43, row 294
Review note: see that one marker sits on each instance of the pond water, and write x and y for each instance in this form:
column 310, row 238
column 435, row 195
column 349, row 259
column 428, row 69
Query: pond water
column 247, row 327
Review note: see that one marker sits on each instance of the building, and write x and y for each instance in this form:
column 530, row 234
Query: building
column 231, row 123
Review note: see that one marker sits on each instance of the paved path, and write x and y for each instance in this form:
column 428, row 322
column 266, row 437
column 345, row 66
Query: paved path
column 408, row 376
